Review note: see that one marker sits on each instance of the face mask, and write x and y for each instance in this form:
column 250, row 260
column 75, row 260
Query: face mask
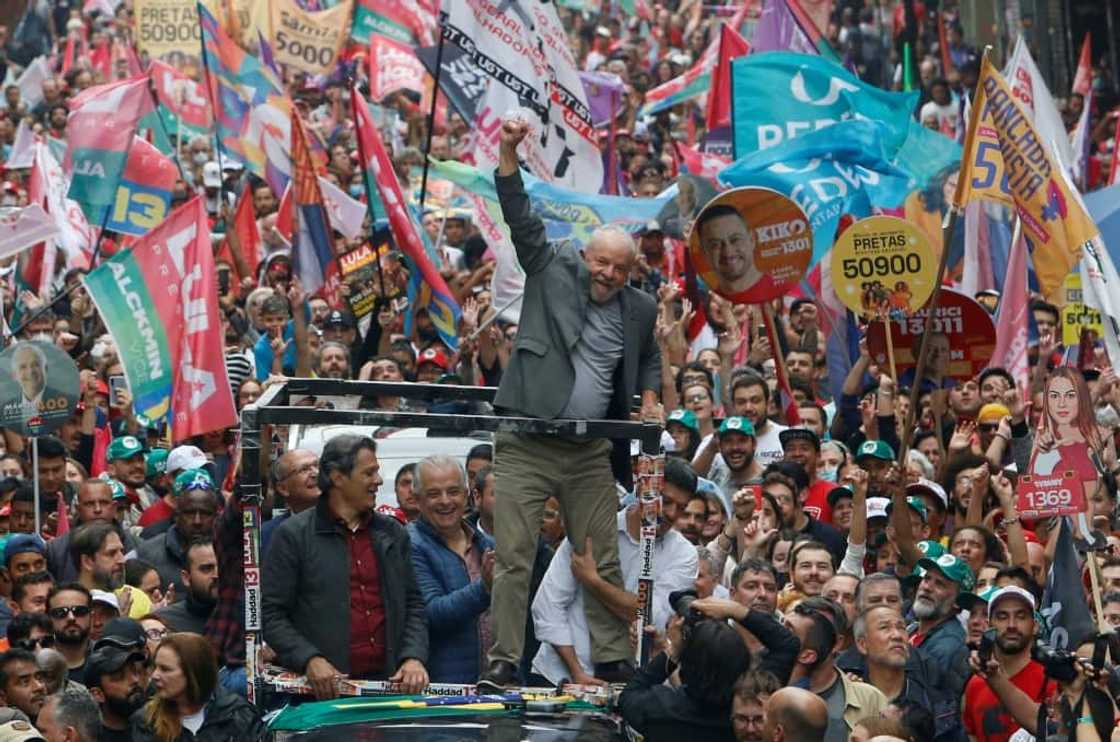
column 201, row 158
column 356, row 191
column 827, row 474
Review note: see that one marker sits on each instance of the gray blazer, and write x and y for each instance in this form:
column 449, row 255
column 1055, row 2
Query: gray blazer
column 306, row 600
column 539, row 378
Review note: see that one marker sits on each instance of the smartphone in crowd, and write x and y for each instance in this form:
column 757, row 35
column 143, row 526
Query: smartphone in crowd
column 117, row 382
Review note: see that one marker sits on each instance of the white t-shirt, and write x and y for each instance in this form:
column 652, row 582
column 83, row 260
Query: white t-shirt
column 195, row 721
column 768, row 447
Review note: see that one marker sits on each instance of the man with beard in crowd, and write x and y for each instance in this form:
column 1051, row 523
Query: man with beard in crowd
column 21, row 683
column 937, row 634
column 748, row 705
column 95, row 505
column 116, row 677
column 128, row 466
column 334, row 361
column 97, row 551
column 69, row 606
column 736, row 464
column 196, row 507
column 201, row 579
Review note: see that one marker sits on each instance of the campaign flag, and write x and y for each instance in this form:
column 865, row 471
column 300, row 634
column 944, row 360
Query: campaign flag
column 461, row 81
column 393, row 66
column 786, row 26
column 1063, row 600
column 48, row 187
column 524, row 49
column 1006, row 160
column 1079, row 145
column 22, row 228
column 22, row 153
column 308, row 41
column 143, row 196
column 182, row 100
column 701, row 164
column 690, row 85
column 99, row 130
column 731, row 45
column 312, row 249
column 438, row 300
column 1083, row 79
column 843, row 169
column 604, row 95
column 159, row 301
column 368, row 138
column 1100, row 290
column 345, row 213
column 252, row 112
column 1012, row 325
column 244, row 226
column 404, row 21
column 1029, row 88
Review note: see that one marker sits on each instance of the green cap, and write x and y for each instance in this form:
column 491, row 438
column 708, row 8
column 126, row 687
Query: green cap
column 116, row 487
column 125, row 447
column 685, row 417
column 192, row 479
column 952, row 568
column 968, row 601
column 737, row 425
column 931, row 549
column 918, row 506
column 156, row 462
column 875, row 449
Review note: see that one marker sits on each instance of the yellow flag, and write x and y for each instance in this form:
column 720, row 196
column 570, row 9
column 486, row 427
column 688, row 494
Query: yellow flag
column 309, row 41
column 1006, row 160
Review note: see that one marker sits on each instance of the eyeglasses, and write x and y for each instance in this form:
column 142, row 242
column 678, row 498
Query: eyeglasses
column 77, row 611
column 697, row 398
column 305, row 469
column 43, row 642
column 155, row 634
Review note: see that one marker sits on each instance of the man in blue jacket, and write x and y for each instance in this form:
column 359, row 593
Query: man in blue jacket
column 454, row 566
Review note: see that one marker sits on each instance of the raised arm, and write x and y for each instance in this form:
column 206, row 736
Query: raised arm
column 526, row 228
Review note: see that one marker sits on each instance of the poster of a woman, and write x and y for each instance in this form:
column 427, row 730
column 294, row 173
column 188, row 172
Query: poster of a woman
column 1068, row 438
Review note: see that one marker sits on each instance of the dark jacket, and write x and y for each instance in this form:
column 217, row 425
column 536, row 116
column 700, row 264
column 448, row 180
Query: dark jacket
column 229, row 718
column 165, row 552
column 454, row 604
column 186, row 615
column 61, row 564
column 945, row 647
column 539, row 377
column 663, row 713
column 306, row 600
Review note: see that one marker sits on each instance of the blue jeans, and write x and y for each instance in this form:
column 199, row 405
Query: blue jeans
column 232, row 678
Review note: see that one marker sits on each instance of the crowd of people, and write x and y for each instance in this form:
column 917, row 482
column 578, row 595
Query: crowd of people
column 858, row 572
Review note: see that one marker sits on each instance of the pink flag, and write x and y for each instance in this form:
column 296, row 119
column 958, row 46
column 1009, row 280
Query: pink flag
column 393, row 66
column 1083, row 79
column 1011, row 322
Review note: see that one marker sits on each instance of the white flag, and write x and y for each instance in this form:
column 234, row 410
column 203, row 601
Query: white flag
column 23, row 148
column 345, row 213
column 22, row 228
column 1030, row 89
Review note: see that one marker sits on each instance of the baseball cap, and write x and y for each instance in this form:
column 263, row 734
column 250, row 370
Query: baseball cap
column 192, row 479
column 799, row 434
column 185, row 457
column 916, row 505
column 686, row 418
column 931, row 487
column 836, row 493
column 930, row 548
column 124, row 447
column 156, row 463
column 1010, row 591
column 952, row 567
column 211, row 175
column 340, row 318
column 122, row 631
column 19, row 730
column 116, row 487
column 737, row 425
column 877, row 507
column 107, row 658
column 968, row 601
column 652, row 226
column 992, row 412
column 875, row 449
column 24, row 543
column 105, row 598
column 433, row 355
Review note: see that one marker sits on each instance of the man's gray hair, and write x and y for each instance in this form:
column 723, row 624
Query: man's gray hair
column 613, row 233
column 859, row 626
column 75, row 707
column 341, row 454
column 438, row 462
column 704, row 554
column 870, row 580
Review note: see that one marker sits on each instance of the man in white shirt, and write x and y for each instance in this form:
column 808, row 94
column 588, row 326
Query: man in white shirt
column 561, row 625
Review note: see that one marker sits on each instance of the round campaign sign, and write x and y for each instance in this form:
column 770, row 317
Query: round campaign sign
column 38, row 387
column 961, row 344
column 883, row 264
column 751, row 245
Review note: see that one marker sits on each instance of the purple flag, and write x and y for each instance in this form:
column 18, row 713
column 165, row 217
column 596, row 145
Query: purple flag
column 779, row 31
column 604, row 95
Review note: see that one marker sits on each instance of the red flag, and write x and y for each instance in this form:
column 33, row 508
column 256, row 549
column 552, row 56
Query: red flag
column 943, row 43
column 101, row 60
column 731, row 45
column 1083, row 80
column 244, row 225
column 1011, row 322
column 284, row 214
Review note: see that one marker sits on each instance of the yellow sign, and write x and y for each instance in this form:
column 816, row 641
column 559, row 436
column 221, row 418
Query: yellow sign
column 307, row 41
column 1075, row 314
column 168, row 29
column 882, row 264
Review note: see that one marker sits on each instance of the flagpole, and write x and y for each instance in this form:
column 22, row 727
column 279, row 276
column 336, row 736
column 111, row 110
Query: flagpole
column 356, row 98
column 431, row 122
column 947, row 232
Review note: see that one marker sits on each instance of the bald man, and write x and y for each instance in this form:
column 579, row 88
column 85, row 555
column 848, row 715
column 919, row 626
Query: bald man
column 795, row 714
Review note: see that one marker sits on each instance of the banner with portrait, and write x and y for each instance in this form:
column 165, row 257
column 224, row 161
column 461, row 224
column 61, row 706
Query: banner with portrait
column 39, row 387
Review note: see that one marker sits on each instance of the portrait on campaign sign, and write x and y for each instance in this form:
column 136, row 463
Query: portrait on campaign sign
column 961, row 342
column 751, row 245
column 883, row 265
column 40, row 387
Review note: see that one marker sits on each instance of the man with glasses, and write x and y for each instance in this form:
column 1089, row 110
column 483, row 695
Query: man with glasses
column 295, row 476
column 69, row 607
column 21, row 682
column 748, row 705
column 116, row 676
column 31, row 631
column 196, row 507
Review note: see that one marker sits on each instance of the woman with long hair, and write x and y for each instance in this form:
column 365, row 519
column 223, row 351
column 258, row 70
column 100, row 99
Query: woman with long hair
column 1068, row 437
column 187, row 698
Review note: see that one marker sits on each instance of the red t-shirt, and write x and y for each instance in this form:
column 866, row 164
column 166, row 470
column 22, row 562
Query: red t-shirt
column 155, row 513
column 985, row 718
column 816, row 501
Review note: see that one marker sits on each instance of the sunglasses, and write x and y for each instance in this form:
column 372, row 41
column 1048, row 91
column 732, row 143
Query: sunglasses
column 43, row 642
column 78, row 611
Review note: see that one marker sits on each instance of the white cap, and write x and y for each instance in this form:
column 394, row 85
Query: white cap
column 877, row 507
column 1009, row 591
column 185, row 457
column 100, row 596
column 211, row 175
column 929, row 485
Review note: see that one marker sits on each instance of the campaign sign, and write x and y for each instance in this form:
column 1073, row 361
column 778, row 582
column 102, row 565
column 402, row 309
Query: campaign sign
column 751, row 245
column 1076, row 314
column 359, row 272
column 39, row 387
column 1046, row 496
column 961, row 342
column 883, row 265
